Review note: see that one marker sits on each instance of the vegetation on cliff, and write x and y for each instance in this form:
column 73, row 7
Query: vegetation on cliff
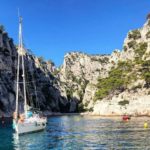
column 135, row 34
column 117, row 80
column 126, row 71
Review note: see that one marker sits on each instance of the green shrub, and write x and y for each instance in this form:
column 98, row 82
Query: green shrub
column 69, row 74
column 41, row 59
column 73, row 57
column 148, row 35
column 102, row 93
column 98, row 70
column 146, row 64
column 123, row 103
column 56, row 72
column 138, row 60
column 115, row 81
column 146, row 76
column 148, row 23
column 2, row 28
column 81, row 108
column 146, row 72
column 90, row 109
column 69, row 93
column 106, row 59
column 80, row 93
column 125, row 65
column 76, row 79
column 130, row 78
column 136, row 87
column 86, row 104
column 132, row 44
column 148, row 16
column 125, row 48
column 141, row 49
column 135, row 34
column 84, row 84
column 101, row 60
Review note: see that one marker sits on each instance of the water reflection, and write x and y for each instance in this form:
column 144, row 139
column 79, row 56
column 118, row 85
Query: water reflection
column 86, row 133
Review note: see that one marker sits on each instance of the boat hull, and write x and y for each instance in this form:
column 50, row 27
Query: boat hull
column 24, row 128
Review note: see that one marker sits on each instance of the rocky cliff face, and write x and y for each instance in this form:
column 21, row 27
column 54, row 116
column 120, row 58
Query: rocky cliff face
column 41, row 77
column 103, row 84
column 134, row 97
column 111, row 84
column 80, row 72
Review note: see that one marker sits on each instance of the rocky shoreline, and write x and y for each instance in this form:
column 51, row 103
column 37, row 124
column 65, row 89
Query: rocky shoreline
column 51, row 114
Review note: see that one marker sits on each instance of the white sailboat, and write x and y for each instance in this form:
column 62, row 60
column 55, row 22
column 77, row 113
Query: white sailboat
column 28, row 121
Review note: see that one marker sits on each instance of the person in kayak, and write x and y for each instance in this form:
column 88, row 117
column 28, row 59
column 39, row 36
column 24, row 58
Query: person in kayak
column 126, row 117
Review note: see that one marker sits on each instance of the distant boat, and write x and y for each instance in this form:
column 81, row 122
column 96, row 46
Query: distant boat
column 30, row 120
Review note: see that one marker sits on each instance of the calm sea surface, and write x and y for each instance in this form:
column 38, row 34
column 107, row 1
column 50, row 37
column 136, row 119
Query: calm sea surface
column 80, row 133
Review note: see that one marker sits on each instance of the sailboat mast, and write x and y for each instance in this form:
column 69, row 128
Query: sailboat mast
column 22, row 53
column 24, row 87
column 18, row 65
column 17, row 94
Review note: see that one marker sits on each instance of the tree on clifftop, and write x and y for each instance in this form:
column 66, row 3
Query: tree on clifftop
column 2, row 28
column 148, row 16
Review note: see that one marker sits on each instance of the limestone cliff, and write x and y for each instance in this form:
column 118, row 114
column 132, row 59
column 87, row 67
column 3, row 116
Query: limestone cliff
column 111, row 84
column 79, row 74
column 103, row 84
column 132, row 94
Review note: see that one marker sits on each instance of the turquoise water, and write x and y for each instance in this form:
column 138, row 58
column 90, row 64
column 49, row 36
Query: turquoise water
column 80, row 133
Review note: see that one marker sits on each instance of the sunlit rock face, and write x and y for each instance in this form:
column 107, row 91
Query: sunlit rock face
column 138, row 104
column 81, row 72
column 135, row 99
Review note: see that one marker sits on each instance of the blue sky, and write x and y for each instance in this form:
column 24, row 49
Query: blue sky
column 52, row 28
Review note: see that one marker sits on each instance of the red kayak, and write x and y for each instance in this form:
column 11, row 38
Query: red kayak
column 126, row 118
